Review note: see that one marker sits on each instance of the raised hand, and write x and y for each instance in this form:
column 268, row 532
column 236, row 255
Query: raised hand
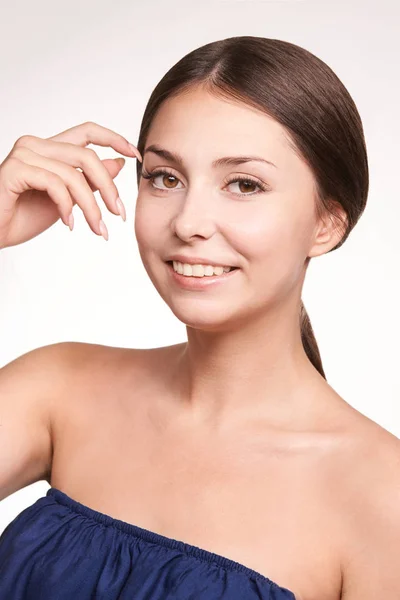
column 40, row 181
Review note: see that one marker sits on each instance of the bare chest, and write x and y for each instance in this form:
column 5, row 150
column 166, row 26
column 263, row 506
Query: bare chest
column 241, row 496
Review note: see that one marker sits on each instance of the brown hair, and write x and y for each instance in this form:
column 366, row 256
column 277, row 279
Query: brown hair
column 298, row 90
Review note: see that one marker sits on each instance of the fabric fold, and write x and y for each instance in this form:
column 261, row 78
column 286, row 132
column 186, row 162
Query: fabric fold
column 58, row 548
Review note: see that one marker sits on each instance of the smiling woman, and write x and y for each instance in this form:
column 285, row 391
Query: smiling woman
column 256, row 93
column 234, row 471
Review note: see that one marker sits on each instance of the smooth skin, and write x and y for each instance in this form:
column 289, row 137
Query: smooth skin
column 238, row 444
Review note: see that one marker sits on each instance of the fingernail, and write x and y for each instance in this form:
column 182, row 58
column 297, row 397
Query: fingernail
column 71, row 221
column 121, row 208
column 136, row 151
column 103, row 229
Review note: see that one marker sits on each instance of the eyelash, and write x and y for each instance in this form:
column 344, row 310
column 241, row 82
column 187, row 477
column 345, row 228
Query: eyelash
column 262, row 187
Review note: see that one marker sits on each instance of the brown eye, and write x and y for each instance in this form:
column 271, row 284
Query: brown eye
column 245, row 186
column 244, row 183
column 167, row 179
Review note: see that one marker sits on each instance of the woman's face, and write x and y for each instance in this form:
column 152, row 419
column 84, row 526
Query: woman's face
column 196, row 209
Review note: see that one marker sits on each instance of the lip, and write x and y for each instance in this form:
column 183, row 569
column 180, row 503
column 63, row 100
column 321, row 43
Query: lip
column 199, row 283
column 198, row 260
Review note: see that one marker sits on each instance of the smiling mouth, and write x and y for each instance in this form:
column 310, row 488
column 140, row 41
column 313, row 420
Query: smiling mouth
column 170, row 263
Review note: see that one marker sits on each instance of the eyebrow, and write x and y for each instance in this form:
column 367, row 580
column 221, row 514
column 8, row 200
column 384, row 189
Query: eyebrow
column 219, row 162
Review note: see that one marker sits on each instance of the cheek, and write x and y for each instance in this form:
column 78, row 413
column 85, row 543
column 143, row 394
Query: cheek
column 275, row 241
column 148, row 226
column 148, row 232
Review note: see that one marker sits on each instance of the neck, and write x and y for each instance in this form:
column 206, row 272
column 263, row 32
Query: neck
column 258, row 370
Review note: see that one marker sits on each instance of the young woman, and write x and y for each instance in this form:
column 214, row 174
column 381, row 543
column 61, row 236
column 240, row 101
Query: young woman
column 224, row 467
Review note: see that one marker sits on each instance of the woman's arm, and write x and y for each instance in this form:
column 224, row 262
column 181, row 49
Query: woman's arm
column 39, row 183
column 30, row 387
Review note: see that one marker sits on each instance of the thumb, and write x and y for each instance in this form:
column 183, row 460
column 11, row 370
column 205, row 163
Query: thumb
column 113, row 165
column 121, row 161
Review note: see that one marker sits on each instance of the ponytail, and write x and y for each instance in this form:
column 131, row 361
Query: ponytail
column 309, row 342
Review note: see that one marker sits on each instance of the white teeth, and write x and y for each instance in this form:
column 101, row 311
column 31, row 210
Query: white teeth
column 198, row 270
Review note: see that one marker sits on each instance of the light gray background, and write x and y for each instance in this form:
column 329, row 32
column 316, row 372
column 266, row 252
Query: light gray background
column 63, row 63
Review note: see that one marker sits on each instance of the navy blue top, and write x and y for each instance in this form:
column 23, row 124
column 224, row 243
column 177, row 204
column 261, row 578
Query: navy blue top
column 60, row 549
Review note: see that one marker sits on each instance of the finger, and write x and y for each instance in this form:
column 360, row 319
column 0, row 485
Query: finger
column 75, row 156
column 93, row 133
column 113, row 166
column 74, row 180
column 25, row 177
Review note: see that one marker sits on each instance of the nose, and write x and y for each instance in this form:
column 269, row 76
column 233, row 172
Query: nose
column 194, row 217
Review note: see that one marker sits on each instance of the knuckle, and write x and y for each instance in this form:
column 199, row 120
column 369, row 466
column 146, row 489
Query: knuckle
column 79, row 182
column 89, row 125
column 89, row 152
column 11, row 161
column 87, row 158
column 8, row 166
column 53, row 179
column 20, row 152
column 76, row 178
column 24, row 140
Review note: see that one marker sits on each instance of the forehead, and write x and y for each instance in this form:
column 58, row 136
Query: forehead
column 199, row 119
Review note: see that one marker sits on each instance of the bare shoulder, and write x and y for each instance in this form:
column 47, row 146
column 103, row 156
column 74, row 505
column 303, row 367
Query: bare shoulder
column 38, row 373
column 370, row 509
column 96, row 377
column 48, row 392
column 53, row 360
column 117, row 364
column 31, row 386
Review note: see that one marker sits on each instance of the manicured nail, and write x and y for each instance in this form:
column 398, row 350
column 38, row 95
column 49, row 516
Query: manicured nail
column 103, row 229
column 136, row 151
column 71, row 221
column 121, row 208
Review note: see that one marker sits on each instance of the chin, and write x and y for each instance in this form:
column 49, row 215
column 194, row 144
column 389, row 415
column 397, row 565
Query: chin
column 204, row 318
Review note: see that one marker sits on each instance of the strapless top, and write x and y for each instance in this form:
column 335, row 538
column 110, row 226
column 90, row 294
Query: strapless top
column 60, row 549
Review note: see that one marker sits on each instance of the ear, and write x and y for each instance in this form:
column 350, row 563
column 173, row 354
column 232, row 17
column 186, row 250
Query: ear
column 329, row 230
